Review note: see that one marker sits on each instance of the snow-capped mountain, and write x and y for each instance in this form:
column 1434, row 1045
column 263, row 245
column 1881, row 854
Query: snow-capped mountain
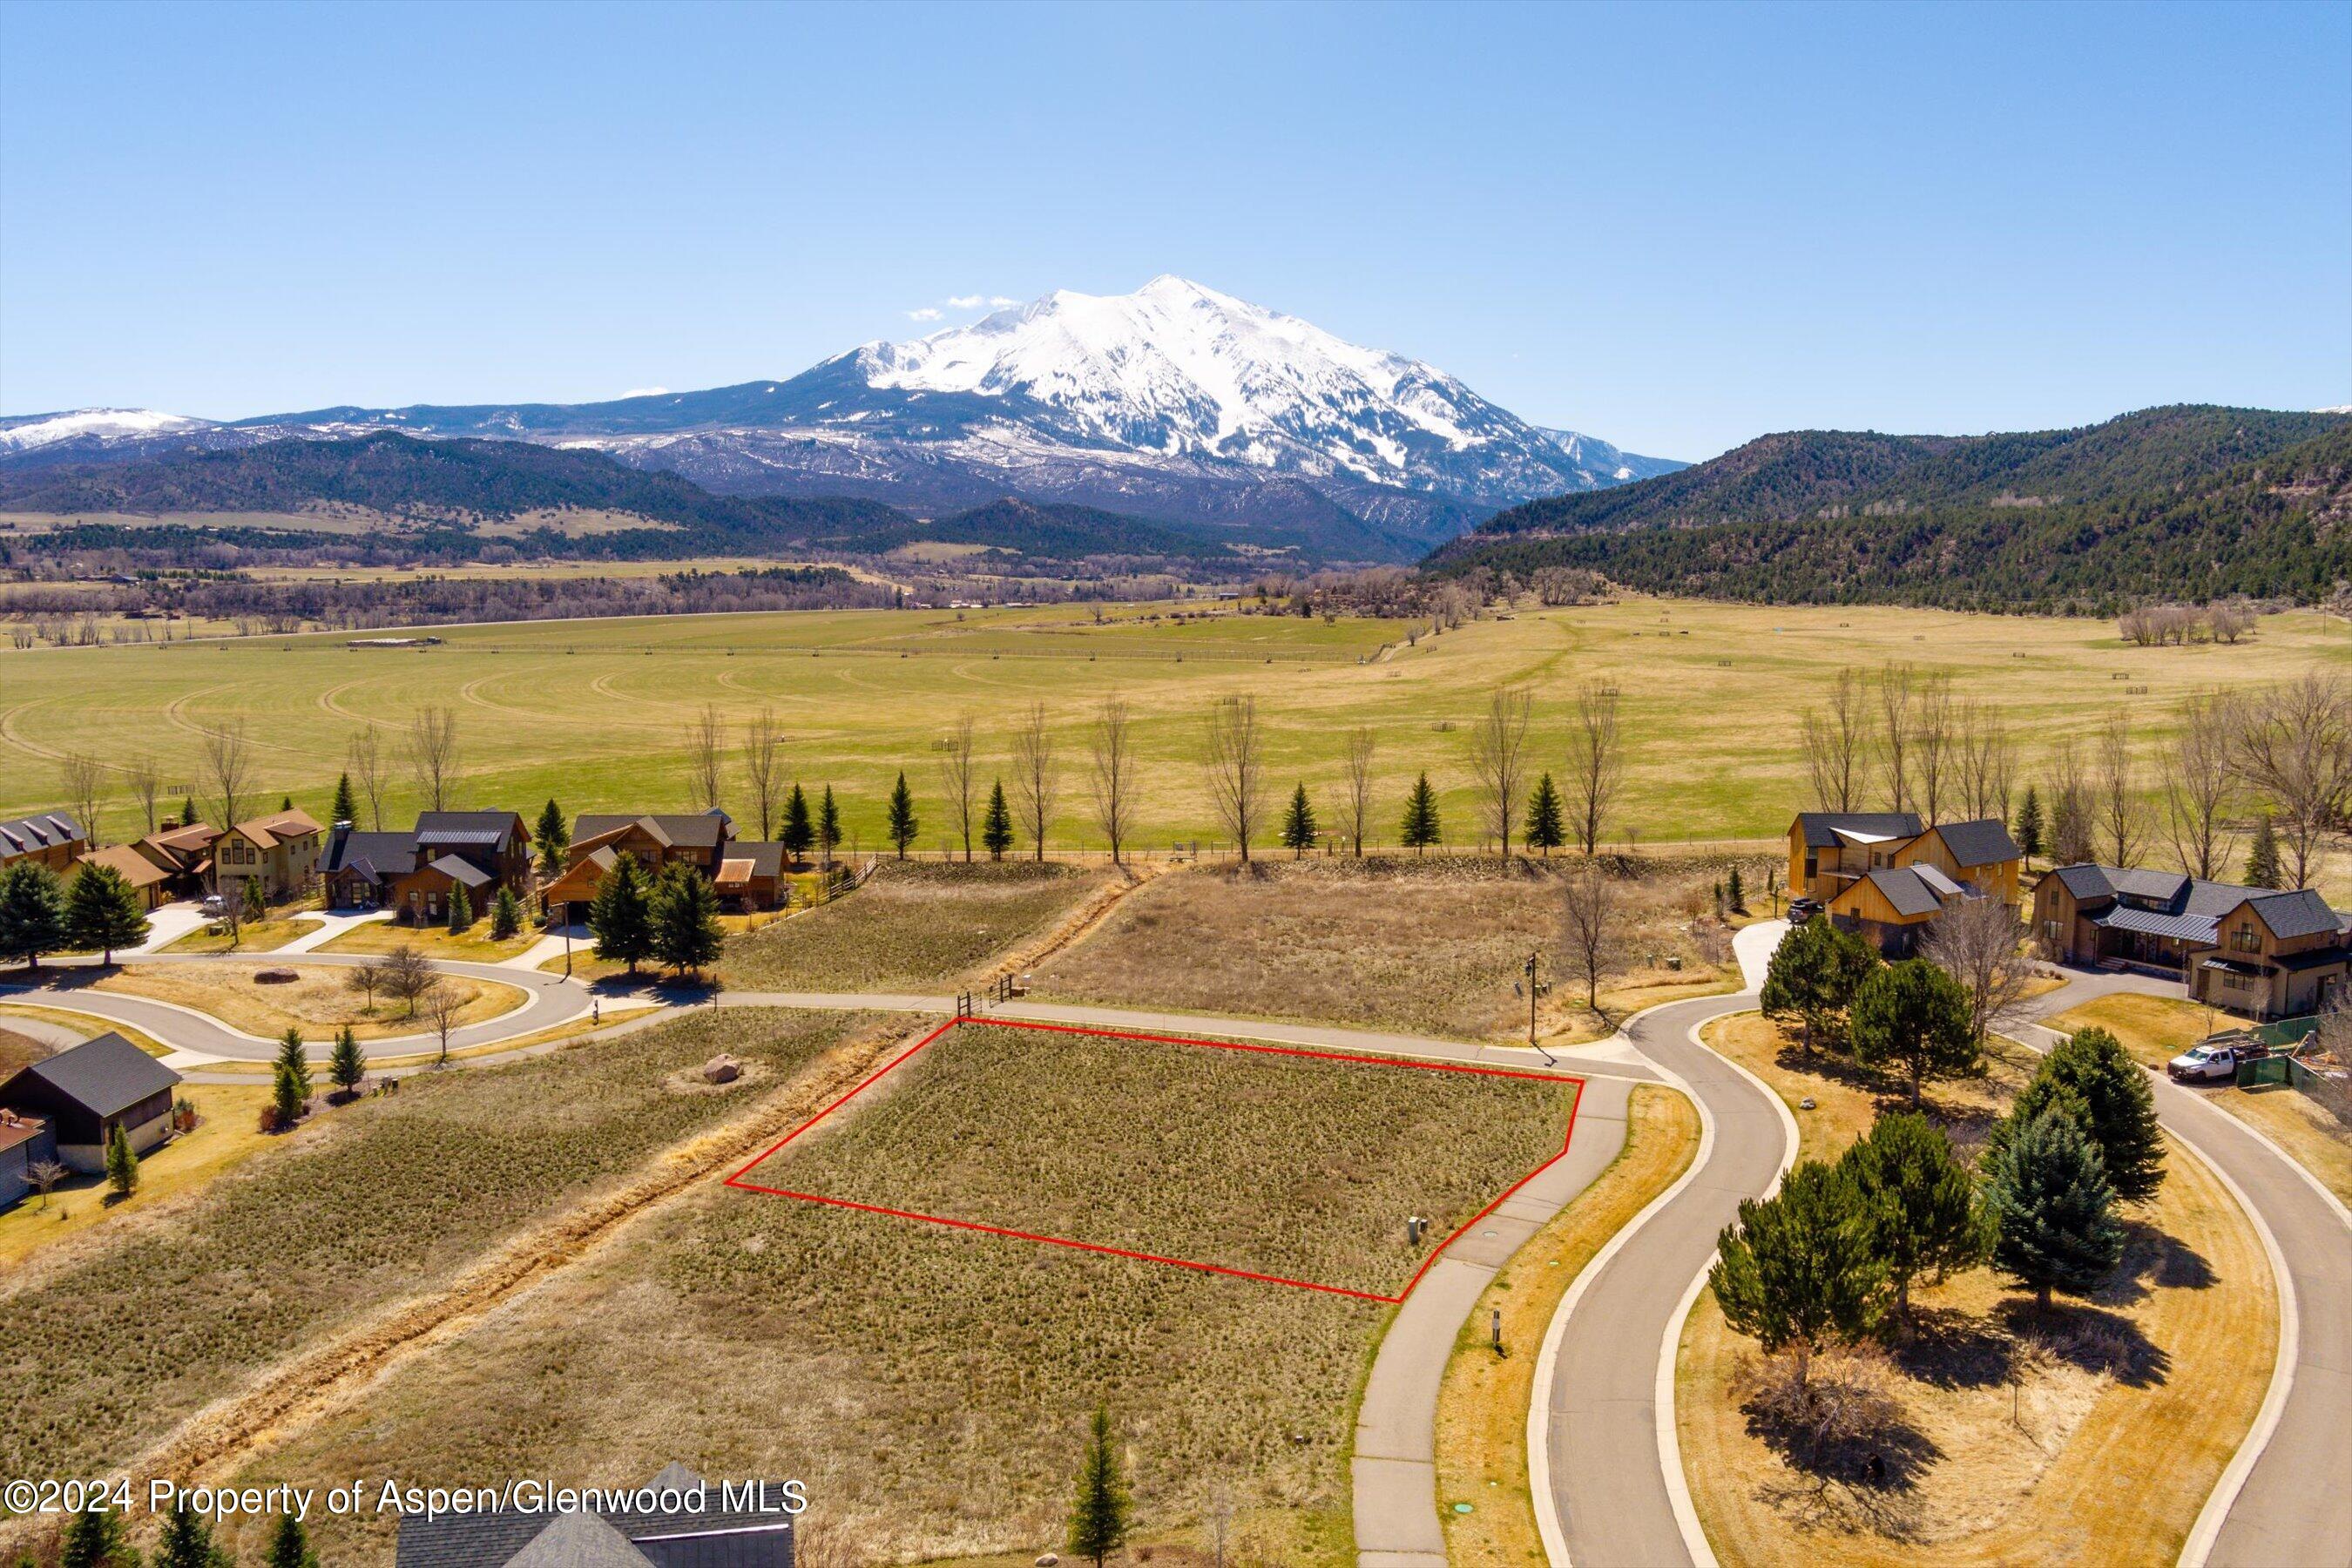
column 1175, row 401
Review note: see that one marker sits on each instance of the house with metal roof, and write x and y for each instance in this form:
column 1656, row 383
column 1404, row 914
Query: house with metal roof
column 416, row 872
column 748, row 875
column 674, row 1520
column 53, row 839
column 1887, row 876
column 85, row 1092
column 2257, row 951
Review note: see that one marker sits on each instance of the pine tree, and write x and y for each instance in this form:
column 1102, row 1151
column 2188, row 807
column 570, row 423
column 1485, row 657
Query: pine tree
column 2047, row 1195
column 621, row 915
column 103, row 911
column 687, row 935
column 1298, row 824
column 2094, row 1079
column 1915, row 1014
column 188, row 1542
column 297, row 1065
column 1734, row 894
column 1102, row 1512
column 461, row 910
column 1813, row 976
column 904, row 824
column 286, row 804
column 121, row 1163
column 347, row 1066
column 2262, row 855
column 286, row 1098
column 996, row 827
column 188, row 812
column 32, row 912
column 1420, row 827
column 2028, row 822
column 828, row 826
column 347, row 803
column 553, row 837
column 99, row 1538
column 1919, row 1202
column 1797, row 1272
column 1546, row 823
column 289, row 1546
column 506, row 914
column 798, row 833
column 256, row 901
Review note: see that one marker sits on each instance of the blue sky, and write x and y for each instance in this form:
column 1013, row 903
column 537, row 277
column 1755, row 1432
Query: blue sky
column 1675, row 228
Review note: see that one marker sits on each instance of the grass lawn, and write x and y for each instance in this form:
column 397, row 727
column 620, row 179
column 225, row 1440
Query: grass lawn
column 1431, row 945
column 915, row 924
column 2157, row 1028
column 475, row 946
column 318, row 1003
column 87, row 1025
column 18, row 1051
column 2006, row 1432
column 1481, row 1407
column 223, row 1135
column 956, row 1368
column 254, row 936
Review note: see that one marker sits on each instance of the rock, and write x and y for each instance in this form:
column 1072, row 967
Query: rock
column 721, row 1068
column 275, row 978
column 1048, row 1560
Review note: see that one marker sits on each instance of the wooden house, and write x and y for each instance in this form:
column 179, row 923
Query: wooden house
column 85, row 1092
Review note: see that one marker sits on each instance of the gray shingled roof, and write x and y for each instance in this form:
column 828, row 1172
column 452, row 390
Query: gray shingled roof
column 2299, row 913
column 1904, row 888
column 686, row 830
column 1821, row 827
column 2087, row 882
column 383, row 853
column 1985, row 842
column 767, row 859
column 2166, row 888
column 461, row 871
column 578, row 1540
column 105, row 1077
column 716, row 1538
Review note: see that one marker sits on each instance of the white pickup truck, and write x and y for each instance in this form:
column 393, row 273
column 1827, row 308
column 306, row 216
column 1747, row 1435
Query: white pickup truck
column 2205, row 1063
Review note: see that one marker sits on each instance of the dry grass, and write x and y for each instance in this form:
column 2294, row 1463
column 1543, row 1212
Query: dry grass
column 317, row 1002
column 254, row 936
column 223, row 1135
column 19, row 1051
column 1481, row 1409
column 2157, row 1028
column 2002, row 1431
column 915, row 924
column 351, row 1213
column 87, row 1025
column 435, row 942
column 1434, row 946
column 929, row 1384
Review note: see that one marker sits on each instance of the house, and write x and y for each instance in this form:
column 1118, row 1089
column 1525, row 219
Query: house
column 149, row 881
column 424, row 896
column 53, row 839
column 751, row 876
column 702, row 840
column 2255, row 951
column 280, row 851
column 1887, row 876
column 85, row 1092
column 1828, row 849
column 358, row 867
column 497, row 842
column 24, row 1142
column 415, row 872
column 691, row 1524
column 184, row 854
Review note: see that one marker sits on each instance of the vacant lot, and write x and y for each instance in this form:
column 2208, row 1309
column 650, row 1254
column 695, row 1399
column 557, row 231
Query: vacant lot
column 2004, row 1430
column 911, row 925
column 476, row 945
column 252, row 936
column 19, row 1051
column 353, row 1213
column 1388, row 942
column 929, row 1384
column 318, row 1003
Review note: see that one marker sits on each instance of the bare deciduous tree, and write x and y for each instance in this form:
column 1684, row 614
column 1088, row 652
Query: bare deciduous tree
column 1596, row 763
column 1931, row 743
column 1896, row 685
column 1976, row 943
column 1836, row 737
column 2200, row 784
column 367, row 978
column 1359, row 760
column 407, row 975
column 1591, row 930
column 2070, row 806
column 1033, row 778
column 371, row 771
column 81, row 773
column 2295, row 751
column 433, row 753
column 1114, row 774
column 228, row 769
column 443, row 1006
column 958, row 777
column 1236, row 781
column 706, row 758
column 1988, row 761
column 147, row 784
column 764, row 764
column 1498, row 747
column 2121, row 816
column 45, row 1174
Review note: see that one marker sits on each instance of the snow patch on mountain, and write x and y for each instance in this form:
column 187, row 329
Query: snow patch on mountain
column 25, row 432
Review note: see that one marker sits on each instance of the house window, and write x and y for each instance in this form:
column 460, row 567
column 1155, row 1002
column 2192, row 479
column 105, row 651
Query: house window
column 2230, row 982
column 2244, row 939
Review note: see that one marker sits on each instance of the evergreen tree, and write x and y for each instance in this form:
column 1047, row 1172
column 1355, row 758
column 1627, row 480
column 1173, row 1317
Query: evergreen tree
column 99, row 1538
column 286, row 1098
column 1420, row 827
column 553, row 837
column 828, row 826
column 1547, row 821
column 121, row 1163
column 286, row 804
column 687, row 935
column 32, row 912
column 289, row 1546
column 2094, row 1079
column 188, row 812
column 1919, row 1202
column 996, row 827
column 347, row 1066
column 799, row 836
column 1102, row 1512
column 1734, row 894
column 461, row 910
column 506, row 914
column 347, row 804
column 904, row 824
column 2047, row 1195
column 255, row 902
column 1797, row 1272
column 188, row 1542
column 290, row 1057
column 1915, row 1014
column 2262, row 855
column 1812, row 977
column 103, row 911
column 621, row 915
column 1298, row 824
column 2028, row 822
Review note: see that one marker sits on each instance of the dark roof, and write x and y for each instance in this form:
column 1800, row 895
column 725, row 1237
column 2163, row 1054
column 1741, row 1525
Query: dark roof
column 2168, row 888
column 684, row 830
column 767, row 859
column 457, row 870
column 578, row 1540
column 1821, row 827
column 24, row 835
column 717, row 1537
column 1904, row 888
column 2088, row 883
column 1985, row 842
column 2317, row 958
column 2194, row 929
column 380, row 853
column 2299, row 913
column 105, row 1077
column 470, row 828
column 2192, row 899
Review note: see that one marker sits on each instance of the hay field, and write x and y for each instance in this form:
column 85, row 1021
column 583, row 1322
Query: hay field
column 929, row 1384
column 909, row 925
column 593, row 712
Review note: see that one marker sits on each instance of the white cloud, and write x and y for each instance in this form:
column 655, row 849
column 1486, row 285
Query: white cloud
column 1000, row 302
column 646, row 392
column 966, row 301
column 926, row 314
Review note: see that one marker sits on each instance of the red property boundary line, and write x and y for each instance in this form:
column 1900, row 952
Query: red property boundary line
column 737, row 1180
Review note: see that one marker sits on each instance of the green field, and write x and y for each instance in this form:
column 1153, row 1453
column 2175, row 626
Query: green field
column 593, row 712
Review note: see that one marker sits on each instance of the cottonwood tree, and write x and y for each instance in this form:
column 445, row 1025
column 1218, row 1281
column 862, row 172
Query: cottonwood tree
column 1498, row 746
column 1976, row 942
column 1913, row 1013
column 2116, row 783
column 1596, row 763
column 2201, row 785
column 228, row 768
column 706, row 758
column 433, row 753
column 2295, row 750
column 372, row 770
column 1358, row 760
column 959, row 776
column 1797, row 1272
column 1931, row 738
column 1897, row 689
column 1919, row 1203
column 2053, row 1208
column 1236, row 769
column 444, row 1007
column 81, row 774
column 147, row 783
column 763, row 766
column 1987, row 759
column 2069, row 808
column 1113, row 775
column 1035, row 779
column 1593, row 929
column 366, row 978
column 1837, row 737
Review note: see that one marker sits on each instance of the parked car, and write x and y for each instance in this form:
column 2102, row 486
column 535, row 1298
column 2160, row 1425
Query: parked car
column 2205, row 1063
column 214, row 906
column 1802, row 909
